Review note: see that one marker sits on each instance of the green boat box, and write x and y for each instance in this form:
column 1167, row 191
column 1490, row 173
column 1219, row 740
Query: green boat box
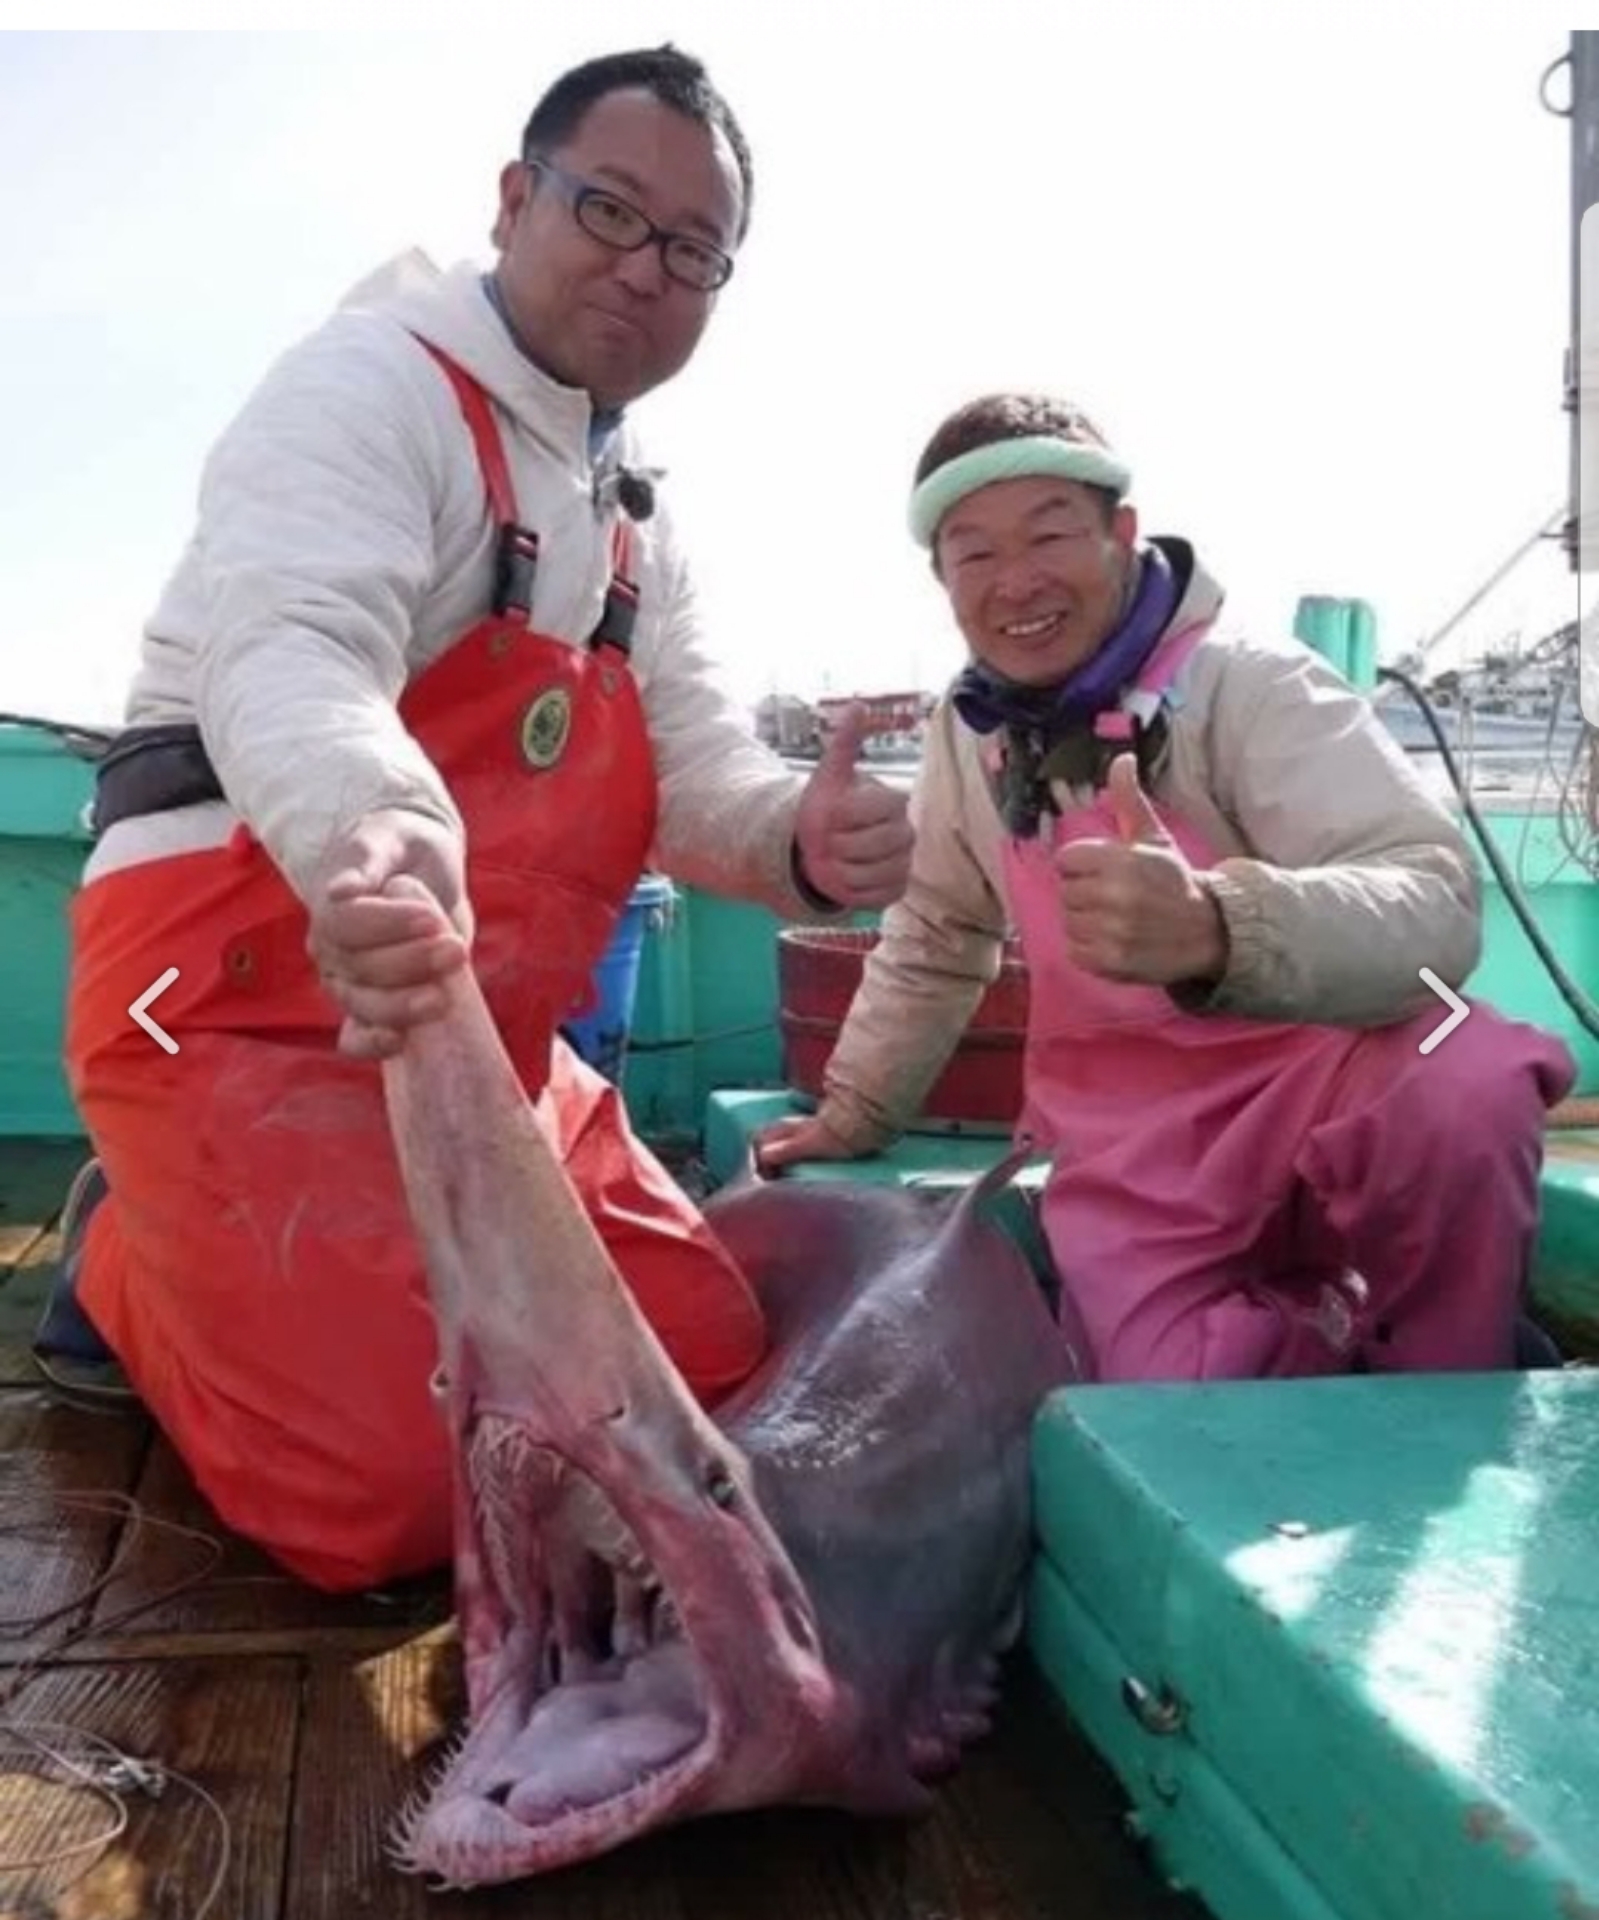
column 1339, row 1639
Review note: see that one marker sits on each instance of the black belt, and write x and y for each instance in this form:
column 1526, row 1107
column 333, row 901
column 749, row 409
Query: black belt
column 152, row 770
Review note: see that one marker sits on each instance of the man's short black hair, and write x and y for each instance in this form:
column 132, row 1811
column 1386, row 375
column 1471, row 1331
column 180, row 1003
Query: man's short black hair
column 676, row 79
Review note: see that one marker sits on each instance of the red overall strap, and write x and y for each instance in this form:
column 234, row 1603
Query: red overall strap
column 518, row 546
column 620, row 612
column 485, row 434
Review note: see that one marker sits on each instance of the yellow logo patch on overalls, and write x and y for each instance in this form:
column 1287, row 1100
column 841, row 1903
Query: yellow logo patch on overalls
column 545, row 727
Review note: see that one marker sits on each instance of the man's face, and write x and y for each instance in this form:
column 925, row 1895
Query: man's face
column 614, row 323
column 1035, row 574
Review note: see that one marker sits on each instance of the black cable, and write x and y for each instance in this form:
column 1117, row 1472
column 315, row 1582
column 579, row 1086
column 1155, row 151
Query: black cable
column 88, row 743
column 1569, row 991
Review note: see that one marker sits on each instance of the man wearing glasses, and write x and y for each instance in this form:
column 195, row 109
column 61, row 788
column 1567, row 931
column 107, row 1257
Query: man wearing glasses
column 432, row 623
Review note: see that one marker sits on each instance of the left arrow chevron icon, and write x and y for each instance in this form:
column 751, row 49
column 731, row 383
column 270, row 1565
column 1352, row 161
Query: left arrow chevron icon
column 137, row 1010
column 1458, row 1011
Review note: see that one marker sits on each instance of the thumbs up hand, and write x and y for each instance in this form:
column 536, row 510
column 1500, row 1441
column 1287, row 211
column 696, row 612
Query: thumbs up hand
column 853, row 832
column 1135, row 909
column 1137, row 823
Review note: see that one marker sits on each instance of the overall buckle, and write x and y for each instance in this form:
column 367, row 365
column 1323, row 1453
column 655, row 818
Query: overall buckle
column 516, row 561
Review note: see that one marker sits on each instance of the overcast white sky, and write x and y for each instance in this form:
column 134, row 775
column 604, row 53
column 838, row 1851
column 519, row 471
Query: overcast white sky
column 1308, row 266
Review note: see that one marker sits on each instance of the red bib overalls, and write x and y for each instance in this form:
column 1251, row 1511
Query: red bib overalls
column 254, row 1267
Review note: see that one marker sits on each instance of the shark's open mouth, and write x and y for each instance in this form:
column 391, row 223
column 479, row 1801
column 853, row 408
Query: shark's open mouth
column 592, row 1743
column 594, row 1711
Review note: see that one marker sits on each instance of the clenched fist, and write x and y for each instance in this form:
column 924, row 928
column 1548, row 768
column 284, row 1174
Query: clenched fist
column 384, row 949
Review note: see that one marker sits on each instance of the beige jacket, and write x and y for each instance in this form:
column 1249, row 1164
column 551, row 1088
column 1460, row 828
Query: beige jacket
column 1339, row 877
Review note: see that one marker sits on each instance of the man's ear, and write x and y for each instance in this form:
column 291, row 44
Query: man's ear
column 1124, row 527
column 516, row 189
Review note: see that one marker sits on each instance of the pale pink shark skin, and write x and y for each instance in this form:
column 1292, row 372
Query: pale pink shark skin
column 666, row 1616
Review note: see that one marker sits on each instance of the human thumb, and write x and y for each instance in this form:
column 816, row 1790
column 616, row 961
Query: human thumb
column 836, row 768
column 1131, row 808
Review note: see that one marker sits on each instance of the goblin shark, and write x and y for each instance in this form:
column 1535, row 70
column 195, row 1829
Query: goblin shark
column 800, row 1598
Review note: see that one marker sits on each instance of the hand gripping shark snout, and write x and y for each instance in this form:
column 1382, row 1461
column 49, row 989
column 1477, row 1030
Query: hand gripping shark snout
column 665, row 1614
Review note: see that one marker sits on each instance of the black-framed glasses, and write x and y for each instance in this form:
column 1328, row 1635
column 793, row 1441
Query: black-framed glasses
column 605, row 216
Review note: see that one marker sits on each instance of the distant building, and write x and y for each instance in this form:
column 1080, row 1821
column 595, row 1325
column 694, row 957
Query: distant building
column 789, row 724
column 898, row 720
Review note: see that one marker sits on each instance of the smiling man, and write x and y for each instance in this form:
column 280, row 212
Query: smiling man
column 432, row 624
column 1225, row 878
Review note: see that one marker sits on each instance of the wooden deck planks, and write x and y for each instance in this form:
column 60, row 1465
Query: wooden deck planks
column 34, row 1177
column 22, row 1295
column 57, row 1527
column 231, row 1730
column 1574, row 1143
column 245, row 1597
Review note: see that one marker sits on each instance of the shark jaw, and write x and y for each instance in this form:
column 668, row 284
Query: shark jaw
column 638, row 1647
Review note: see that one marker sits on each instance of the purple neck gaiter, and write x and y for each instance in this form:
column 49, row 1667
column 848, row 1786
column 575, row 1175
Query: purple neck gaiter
column 986, row 700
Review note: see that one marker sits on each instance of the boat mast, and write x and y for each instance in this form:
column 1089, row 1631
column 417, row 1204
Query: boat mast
column 1582, row 64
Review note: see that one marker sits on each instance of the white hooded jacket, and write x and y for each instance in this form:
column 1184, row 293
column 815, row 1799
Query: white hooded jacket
column 344, row 541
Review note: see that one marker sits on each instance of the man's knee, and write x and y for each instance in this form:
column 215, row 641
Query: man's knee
column 1482, row 1092
column 1487, row 1088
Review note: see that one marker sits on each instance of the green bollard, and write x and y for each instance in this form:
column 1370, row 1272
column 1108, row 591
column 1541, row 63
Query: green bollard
column 1362, row 646
column 1323, row 623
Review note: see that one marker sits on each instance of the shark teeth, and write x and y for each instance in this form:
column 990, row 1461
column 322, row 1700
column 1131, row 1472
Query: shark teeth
column 400, row 1841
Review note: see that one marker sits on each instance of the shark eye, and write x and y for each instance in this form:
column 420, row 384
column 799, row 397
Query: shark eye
column 719, row 1487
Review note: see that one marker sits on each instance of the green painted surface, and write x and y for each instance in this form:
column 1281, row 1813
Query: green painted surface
column 1566, row 1264
column 1344, row 633
column 1363, row 648
column 706, row 1015
column 43, row 841
column 1323, row 624
column 44, row 789
column 1200, row 1832
column 1373, row 1603
column 1564, row 902
column 706, row 1011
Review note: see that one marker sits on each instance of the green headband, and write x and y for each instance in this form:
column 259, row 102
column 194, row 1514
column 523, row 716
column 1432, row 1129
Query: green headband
column 1037, row 454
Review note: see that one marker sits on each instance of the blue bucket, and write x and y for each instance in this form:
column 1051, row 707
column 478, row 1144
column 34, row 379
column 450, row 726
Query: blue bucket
column 601, row 1035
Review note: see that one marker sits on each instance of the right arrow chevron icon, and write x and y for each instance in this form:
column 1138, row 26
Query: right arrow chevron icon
column 1458, row 1009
